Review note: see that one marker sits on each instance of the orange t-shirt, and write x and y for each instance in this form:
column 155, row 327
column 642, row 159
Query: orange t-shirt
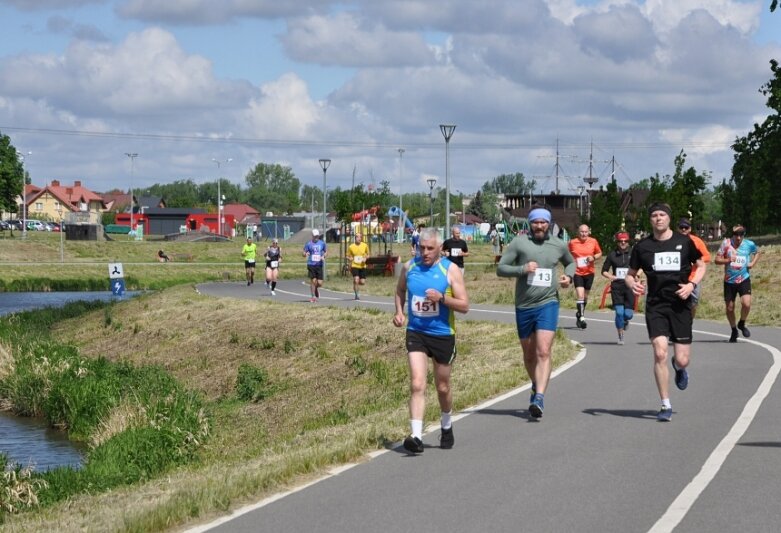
column 700, row 245
column 580, row 250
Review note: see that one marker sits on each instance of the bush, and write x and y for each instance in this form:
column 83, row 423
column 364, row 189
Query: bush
column 252, row 383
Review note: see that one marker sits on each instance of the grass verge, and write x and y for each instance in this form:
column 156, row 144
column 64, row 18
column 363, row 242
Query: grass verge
column 290, row 390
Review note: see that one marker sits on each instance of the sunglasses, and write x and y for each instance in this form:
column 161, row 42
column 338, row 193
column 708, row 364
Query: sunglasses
column 684, row 227
column 623, row 242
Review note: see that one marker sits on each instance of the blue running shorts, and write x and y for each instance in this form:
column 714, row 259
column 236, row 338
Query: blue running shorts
column 531, row 319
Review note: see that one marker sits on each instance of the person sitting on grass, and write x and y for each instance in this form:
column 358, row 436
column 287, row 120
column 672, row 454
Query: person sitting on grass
column 162, row 257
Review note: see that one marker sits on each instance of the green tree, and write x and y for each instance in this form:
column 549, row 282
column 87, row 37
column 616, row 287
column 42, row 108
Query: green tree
column 685, row 191
column 606, row 216
column 509, row 184
column 12, row 176
column 477, row 207
column 273, row 188
column 752, row 195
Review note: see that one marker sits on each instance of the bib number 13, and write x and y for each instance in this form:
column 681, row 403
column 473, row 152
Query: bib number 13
column 542, row 277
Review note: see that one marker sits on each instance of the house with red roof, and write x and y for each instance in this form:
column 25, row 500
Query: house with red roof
column 74, row 203
column 243, row 214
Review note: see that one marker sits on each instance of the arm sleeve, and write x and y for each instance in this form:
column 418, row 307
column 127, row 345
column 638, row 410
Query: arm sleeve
column 606, row 265
column 569, row 263
column 507, row 267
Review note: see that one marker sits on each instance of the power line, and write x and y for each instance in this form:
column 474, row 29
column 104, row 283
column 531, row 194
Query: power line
column 363, row 144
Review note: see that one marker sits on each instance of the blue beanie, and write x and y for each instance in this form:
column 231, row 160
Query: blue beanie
column 539, row 213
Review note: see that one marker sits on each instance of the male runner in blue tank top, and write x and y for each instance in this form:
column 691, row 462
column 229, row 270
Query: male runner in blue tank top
column 432, row 288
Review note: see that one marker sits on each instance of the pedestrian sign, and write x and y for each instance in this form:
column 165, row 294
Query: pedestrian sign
column 115, row 271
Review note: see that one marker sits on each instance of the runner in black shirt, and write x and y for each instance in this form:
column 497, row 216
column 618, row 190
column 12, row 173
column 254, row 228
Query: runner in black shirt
column 614, row 268
column 666, row 257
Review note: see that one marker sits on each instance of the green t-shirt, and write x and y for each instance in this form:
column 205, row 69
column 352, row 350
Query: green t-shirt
column 249, row 251
column 532, row 290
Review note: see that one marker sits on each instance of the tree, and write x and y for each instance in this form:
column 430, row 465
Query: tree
column 477, row 207
column 12, row 176
column 752, row 195
column 606, row 216
column 273, row 188
column 509, row 184
column 685, row 191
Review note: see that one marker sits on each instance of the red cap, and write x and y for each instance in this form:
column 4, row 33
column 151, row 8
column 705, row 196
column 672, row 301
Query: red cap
column 622, row 236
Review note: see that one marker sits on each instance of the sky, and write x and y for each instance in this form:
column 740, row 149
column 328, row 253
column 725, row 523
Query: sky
column 625, row 84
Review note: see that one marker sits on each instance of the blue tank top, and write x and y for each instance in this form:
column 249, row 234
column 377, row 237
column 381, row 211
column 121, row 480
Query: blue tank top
column 425, row 316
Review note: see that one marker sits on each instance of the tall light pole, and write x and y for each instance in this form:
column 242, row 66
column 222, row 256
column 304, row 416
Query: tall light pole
column 24, row 194
column 431, row 182
column 402, row 218
column 219, row 193
column 324, row 164
column 447, row 131
column 132, row 157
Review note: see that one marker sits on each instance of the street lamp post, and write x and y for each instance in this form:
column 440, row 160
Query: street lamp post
column 324, row 164
column 402, row 218
column 431, row 182
column 447, row 131
column 219, row 193
column 24, row 195
column 132, row 157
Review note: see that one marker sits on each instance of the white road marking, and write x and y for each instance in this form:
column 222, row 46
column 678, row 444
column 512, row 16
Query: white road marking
column 686, row 499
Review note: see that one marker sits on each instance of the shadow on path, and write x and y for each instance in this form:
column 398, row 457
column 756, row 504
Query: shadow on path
column 627, row 413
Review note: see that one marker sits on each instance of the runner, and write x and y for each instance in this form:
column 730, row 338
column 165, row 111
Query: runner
column 455, row 248
column 685, row 228
column 357, row 254
column 738, row 255
column 414, row 243
column 614, row 268
column 532, row 259
column 273, row 257
column 248, row 252
column 433, row 288
column 315, row 252
column 585, row 250
column 666, row 257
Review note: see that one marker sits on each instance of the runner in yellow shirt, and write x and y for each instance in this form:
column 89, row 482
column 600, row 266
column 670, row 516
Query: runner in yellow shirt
column 248, row 252
column 357, row 254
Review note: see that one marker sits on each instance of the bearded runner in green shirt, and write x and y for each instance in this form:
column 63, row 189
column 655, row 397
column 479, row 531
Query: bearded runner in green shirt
column 532, row 260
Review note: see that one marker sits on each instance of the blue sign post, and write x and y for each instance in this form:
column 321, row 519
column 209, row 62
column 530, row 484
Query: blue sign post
column 118, row 287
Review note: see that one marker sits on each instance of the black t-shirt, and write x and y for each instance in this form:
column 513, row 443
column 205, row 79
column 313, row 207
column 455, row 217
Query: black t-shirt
column 618, row 262
column 455, row 244
column 666, row 264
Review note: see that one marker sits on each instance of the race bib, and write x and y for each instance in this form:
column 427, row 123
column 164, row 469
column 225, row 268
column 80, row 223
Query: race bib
column 274, row 264
column 423, row 307
column 739, row 261
column 542, row 277
column 621, row 273
column 455, row 252
column 582, row 261
column 359, row 259
column 315, row 258
column 667, row 261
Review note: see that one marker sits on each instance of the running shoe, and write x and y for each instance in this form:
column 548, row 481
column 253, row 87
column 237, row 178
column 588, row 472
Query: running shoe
column 273, row 293
column 413, row 445
column 357, row 297
column 313, row 299
column 734, row 336
column 536, row 408
column 665, row 414
column 582, row 323
column 743, row 329
column 533, row 393
column 248, row 284
column 620, row 341
column 681, row 375
column 446, row 439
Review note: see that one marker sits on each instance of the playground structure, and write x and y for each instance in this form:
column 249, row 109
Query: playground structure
column 378, row 235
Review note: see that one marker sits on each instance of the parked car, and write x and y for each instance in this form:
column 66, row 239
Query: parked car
column 4, row 225
column 35, row 225
column 16, row 224
column 55, row 226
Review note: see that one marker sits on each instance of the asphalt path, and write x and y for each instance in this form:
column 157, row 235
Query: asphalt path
column 597, row 461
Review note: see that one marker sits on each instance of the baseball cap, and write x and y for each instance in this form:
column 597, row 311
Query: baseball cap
column 684, row 223
column 275, row 240
column 315, row 232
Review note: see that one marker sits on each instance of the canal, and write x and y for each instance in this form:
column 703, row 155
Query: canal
column 30, row 440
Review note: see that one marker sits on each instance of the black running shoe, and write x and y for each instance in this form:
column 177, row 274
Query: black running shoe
column 743, row 329
column 446, row 439
column 413, row 445
column 734, row 336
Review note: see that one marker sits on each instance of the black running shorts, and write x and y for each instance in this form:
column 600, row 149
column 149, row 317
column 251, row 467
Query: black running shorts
column 672, row 320
column 441, row 349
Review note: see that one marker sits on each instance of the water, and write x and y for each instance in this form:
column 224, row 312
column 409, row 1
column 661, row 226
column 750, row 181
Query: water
column 30, row 440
